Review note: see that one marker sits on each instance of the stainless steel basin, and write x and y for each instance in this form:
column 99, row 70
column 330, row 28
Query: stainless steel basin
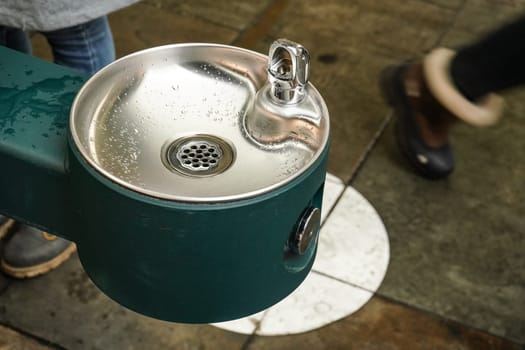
column 196, row 123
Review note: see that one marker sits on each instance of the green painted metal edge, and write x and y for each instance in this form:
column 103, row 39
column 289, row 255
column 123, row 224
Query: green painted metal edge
column 35, row 98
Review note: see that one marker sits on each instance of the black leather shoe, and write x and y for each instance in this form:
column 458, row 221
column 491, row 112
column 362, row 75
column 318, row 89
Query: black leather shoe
column 430, row 162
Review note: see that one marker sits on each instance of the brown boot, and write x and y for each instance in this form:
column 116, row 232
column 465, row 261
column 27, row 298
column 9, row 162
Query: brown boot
column 422, row 125
column 426, row 105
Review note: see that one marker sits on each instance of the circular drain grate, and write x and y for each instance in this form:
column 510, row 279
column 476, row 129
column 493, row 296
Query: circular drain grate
column 199, row 155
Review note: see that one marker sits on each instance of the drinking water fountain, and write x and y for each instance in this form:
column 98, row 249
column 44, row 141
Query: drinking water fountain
column 190, row 176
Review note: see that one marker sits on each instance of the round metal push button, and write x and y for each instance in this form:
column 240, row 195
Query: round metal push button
column 307, row 229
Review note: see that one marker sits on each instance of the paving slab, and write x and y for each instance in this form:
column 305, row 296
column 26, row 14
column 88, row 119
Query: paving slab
column 386, row 325
column 478, row 17
column 66, row 308
column 456, row 245
column 12, row 340
column 234, row 14
column 142, row 26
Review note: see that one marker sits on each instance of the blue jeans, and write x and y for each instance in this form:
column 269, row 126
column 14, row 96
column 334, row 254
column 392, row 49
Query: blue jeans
column 15, row 39
column 86, row 47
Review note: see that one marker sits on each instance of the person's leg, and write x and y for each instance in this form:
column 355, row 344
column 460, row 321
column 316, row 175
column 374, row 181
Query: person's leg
column 15, row 39
column 494, row 63
column 86, row 47
column 431, row 94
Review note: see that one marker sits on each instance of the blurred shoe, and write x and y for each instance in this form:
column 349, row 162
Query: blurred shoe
column 31, row 252
column 5, row 224
column 426, row 103
column 421, row 123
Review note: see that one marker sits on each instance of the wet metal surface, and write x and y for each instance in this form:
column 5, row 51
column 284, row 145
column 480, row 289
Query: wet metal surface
column 126, row 118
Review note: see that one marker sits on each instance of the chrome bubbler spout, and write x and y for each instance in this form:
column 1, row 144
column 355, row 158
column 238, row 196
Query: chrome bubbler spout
column 288, row 71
